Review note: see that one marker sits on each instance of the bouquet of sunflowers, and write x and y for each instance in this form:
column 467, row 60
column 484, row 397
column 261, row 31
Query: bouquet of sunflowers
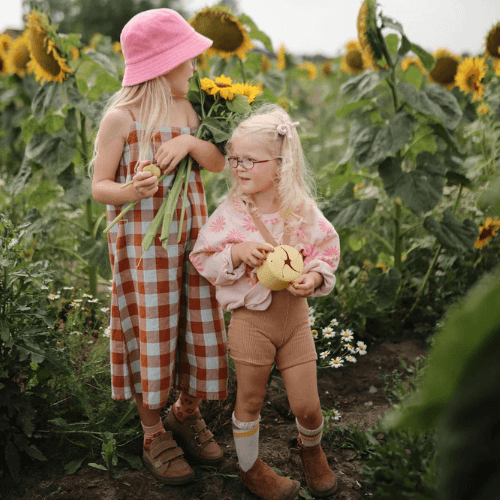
column 220, row 103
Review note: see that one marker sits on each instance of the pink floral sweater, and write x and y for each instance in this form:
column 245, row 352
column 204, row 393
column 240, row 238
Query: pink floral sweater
column 316, row 239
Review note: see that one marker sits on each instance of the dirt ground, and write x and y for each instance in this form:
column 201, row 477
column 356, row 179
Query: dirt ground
column 348, row 386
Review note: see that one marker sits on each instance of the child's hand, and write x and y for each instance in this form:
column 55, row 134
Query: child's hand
column 170, row 153
column 305, row 284
column 144, row 183
column 251, row 253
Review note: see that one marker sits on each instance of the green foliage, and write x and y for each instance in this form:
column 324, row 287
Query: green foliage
column 29, row 347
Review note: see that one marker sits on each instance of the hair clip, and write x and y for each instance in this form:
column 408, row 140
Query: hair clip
column 286, row 129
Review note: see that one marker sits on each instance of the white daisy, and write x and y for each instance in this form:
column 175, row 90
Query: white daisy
column 361, row 348
column 53, row 296
column 328, row 332
column 324, row 354
column 346, row 335
column 351, row 359
column 336, row 363
column 311, row 320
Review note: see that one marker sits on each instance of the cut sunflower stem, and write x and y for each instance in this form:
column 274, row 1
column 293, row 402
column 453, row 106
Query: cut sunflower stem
column 126, row 209
column 184, row 197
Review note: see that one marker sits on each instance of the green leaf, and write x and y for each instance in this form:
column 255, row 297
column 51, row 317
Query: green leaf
column 43, row 194
column 373, row 145
column 387, row 22
column 354, row 214
column 21, row 180
column 239, row 105
column 273, row 80
column 401, row 125
column 71, row 467
column 103, row 83
column 421, row 189
column 49, row 95
column 348, row 108
column 97, row 466
column 433, row 100
column 385, row 287
column 404, row 47
column 103, row 61
column 427, row 59
column 392, row 42
column 414, row 76
column 456, row 236
column 359, row 85
column 217, row 130
column 77, row 191
column 355, row 244
column 255, row 33
column 90, row 109
column 54, row 152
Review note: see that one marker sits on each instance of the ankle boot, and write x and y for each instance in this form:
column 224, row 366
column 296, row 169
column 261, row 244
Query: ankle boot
column 320, row 479
column 266, row 484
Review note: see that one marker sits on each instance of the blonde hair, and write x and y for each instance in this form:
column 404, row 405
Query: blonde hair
column 155, row 100
column 294, row 181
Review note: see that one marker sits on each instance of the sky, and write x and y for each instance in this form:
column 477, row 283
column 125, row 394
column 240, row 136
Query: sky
column 323, row 26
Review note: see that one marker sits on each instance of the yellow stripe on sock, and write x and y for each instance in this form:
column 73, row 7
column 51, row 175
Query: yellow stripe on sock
column 237, row 434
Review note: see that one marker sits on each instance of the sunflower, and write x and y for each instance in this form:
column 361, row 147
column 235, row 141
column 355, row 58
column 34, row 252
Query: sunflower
column 280, row 58
column 265, row 64
column 470, row 72
column 496, row 66
column 493, row 42
column 353, row 61
column 225, row 30
column 310, row 68
column 5, row 42
column 46, row 62
column 445, row 68
column 483, row 109
column 367, row 33
column 17, row 59
column 117, row 47
column 246, row 90
column 487, row 231
column 326, row 68
column 413, row 61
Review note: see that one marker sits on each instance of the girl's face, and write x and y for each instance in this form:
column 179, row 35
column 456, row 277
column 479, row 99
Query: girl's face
column 260, row 178
column 179, row 78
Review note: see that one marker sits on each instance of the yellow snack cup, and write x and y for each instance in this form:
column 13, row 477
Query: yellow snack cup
column 280, row 267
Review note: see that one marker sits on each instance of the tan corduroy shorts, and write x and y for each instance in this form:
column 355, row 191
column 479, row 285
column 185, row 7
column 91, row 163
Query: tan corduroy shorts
column 281, row 334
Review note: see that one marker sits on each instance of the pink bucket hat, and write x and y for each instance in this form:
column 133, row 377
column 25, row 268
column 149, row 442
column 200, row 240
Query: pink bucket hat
column 156, row 41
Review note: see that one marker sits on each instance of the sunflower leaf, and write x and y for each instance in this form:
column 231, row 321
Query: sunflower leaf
column 385, row 287
column 359, row 85
column 456, row 236
column 427, row 59
column 356, row 213
column 48, row 96
column 255, row 33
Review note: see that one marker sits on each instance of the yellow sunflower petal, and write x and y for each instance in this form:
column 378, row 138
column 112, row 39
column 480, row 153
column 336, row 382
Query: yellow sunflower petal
column 46, row 62
column 280, row 58
column 412, row 61
column 18, row 56
column 225, row 30
column 470, row 72
column 353, row 61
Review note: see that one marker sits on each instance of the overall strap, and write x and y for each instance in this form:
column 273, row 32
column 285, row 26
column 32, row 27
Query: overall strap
column 266, row 234
column 132, row 114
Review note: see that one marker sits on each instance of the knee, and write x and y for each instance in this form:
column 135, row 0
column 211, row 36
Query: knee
column 307, row 412
column 251, row 403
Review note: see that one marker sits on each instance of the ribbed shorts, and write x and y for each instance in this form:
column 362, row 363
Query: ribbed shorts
column 281, row 334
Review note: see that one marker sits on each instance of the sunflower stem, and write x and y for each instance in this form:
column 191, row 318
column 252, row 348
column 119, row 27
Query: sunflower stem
column 243, row 72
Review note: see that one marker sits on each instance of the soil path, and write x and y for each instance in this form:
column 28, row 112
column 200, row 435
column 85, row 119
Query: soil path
column 356, row 391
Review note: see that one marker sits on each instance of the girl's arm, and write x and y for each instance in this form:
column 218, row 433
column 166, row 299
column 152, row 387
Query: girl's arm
column 206, row 154
column 111, row 140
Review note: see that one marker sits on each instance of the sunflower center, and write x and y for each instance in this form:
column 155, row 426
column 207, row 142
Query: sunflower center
column 472, row 82
column 493, row 42
column 222, row 85
column 224, row 32
column 39, row 42
column 355, row 60
column 445, row 70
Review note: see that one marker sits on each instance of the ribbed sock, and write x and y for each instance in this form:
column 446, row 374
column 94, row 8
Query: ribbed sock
column 151, row 432
column 310, row 437
column 246, row 442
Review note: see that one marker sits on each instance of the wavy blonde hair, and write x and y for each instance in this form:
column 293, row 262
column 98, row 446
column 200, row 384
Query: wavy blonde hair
column 155, row 100
column 296, row 189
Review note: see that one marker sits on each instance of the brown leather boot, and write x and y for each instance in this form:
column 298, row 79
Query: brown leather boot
column 195, row 438
column 265, row 483
column 320, row 479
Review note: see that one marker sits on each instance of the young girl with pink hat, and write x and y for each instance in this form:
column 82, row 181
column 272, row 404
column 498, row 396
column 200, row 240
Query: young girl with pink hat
column 167, row 328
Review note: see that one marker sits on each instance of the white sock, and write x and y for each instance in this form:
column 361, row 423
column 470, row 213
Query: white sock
column 310, row 437
column 246, row 442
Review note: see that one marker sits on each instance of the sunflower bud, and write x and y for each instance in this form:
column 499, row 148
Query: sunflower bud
column 368, row 33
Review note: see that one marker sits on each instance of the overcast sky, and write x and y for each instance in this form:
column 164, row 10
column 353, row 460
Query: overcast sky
column 323, row 26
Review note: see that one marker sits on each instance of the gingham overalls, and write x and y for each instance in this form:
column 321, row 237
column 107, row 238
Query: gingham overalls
column 167, row 328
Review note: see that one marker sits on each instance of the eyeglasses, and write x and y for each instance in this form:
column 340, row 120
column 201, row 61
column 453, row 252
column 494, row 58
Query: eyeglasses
column 246, row 163
column 194, row 63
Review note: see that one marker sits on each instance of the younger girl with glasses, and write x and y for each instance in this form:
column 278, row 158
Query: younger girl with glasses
column 270, row 201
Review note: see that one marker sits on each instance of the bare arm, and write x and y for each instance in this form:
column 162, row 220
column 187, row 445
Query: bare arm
column 112, row 137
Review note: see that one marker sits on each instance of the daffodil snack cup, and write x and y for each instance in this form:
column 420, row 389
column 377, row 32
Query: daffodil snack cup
column 281, row 267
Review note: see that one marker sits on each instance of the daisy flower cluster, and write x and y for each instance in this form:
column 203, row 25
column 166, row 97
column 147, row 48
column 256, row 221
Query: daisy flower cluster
column 335, row 346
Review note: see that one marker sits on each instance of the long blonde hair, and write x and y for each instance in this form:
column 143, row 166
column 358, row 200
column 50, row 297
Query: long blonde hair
column 295, row 183
column 155, row 101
